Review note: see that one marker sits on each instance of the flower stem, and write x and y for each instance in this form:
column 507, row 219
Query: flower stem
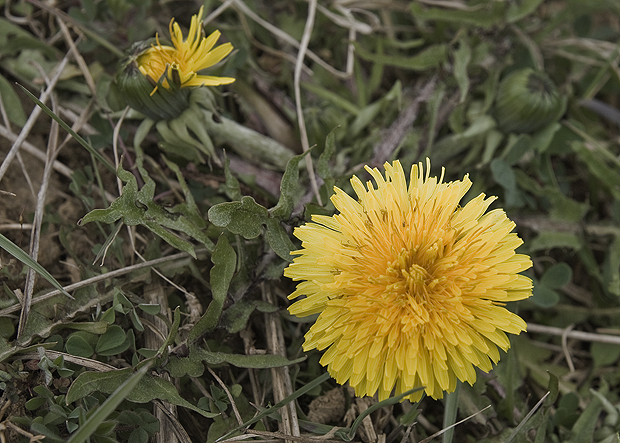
column 246, row 142
column 449, row 415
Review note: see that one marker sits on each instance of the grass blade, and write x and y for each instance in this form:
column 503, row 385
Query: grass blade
column 20, row 255
column 67, row 128
column 387, row 402
column 527, row 417
column 449, row 416
column 107, row 407
column 298, row 393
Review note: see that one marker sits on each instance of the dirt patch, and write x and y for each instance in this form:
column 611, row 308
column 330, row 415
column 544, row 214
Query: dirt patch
column 23, row 179
column 329, row 408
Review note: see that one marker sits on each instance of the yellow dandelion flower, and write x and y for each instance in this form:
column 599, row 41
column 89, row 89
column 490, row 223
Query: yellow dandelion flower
column 409, row 286
column 182, row 62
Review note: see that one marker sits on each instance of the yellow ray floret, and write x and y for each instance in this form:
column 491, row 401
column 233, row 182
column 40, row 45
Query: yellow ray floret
column 181, row 62
column 409, row 286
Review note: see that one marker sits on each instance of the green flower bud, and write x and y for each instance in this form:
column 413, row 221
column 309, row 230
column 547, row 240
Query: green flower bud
column 527, row 100
column 147, row 95
column 156, row 79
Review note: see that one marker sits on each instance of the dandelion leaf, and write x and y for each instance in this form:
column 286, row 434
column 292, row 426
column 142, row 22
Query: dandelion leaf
column 148, row 389
column 224, row 260
column 244, row 217
column 136, row 207
column 288, row 189
column 279, row 240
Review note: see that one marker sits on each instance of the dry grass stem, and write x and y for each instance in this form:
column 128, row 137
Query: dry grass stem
column 565, row 350
column 282, row 386
column 229, row 395
column 296, row 85
column 26, row 174
column 98, row 278
column 117, row 130
column 577, row 335
column 452, row 4
column 34, row 115
column 438, row 433
column 89, row 363
column 287, row 38
column 77, row 56
column 215, row 14
column 162, row 276
column 400, row 81
column 31, row 149
column 173, row 423
column 348, row 20
column 15, row 226
column 258, row 394
column 277, row 436
column 52, row 153
column 397, row 131
column 154, row 294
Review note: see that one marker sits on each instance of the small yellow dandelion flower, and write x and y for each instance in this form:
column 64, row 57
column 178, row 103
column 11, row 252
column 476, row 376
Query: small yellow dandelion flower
column 182, row 62
column 408, row 285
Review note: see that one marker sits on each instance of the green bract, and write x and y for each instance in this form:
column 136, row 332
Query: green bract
column 527, row 100
column 152, row 100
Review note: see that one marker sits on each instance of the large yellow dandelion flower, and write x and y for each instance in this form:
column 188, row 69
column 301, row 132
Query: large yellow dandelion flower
column 182, row 62
column 409, row 286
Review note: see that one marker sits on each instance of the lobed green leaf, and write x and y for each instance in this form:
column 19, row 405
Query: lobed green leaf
column 147, row 389
column 244, row 218
column 224, row 261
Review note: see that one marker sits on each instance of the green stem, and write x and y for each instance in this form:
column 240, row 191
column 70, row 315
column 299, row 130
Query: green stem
column 246, row 142
column 449, row 415
column 298, row 393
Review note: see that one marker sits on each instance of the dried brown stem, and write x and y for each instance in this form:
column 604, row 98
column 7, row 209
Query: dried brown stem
column 98, row 278
column 282, row 386
column 397, row 131
column 577, row 335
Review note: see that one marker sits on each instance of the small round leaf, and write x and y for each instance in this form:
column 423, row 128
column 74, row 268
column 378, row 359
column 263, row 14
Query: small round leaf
column 78, row 346
column 113, row 337
column 544, row 296
column 557, row 276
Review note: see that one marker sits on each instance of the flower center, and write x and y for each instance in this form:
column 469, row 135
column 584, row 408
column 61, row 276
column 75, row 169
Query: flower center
column 408, row 278
column 415, row 278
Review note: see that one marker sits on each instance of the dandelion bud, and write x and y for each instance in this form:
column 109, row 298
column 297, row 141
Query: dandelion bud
column 145, row 94
column 527, row 100
column 157, row 79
